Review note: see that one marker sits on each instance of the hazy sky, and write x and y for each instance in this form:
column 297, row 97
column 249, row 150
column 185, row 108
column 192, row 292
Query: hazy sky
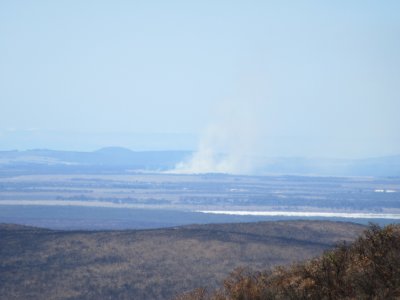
column 305, row 78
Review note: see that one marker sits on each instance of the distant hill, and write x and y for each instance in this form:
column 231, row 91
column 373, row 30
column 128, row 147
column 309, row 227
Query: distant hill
column 117, row 159
column 367, row 269
column 151, row 264
column 106, row 159
column 380, row 166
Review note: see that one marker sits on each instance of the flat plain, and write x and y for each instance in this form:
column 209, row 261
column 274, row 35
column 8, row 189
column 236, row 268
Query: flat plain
column 151, row 200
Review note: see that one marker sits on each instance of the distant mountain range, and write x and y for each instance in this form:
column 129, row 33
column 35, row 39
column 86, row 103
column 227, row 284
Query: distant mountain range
column 111, row 158
column 116, row 159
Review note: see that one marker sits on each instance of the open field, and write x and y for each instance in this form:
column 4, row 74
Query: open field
column 161, row 200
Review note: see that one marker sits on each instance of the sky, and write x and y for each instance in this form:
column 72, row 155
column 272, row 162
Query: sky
column 272, row 78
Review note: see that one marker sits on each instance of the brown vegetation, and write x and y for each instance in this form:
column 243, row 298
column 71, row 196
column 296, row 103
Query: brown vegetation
column 151, row 264
column 369, row 268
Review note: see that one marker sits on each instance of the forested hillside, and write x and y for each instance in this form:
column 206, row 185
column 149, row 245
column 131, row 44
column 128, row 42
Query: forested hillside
column 151, row 264
column 369, row 268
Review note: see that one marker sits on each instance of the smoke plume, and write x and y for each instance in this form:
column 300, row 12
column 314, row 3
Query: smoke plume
column 229, row 142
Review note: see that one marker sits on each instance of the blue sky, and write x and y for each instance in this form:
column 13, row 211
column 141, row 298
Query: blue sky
column 289, row 78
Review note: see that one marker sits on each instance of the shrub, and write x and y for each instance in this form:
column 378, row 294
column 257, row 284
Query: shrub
column 369, row 268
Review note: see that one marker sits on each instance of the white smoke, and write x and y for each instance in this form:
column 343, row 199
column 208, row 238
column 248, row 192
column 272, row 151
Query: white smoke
column 228, row 143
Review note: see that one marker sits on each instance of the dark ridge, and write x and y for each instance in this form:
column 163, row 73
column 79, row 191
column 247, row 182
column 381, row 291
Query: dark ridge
column 151, row 264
